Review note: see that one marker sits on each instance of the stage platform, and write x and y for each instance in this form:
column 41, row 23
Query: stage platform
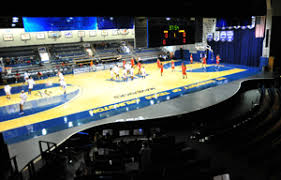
column 117, row 101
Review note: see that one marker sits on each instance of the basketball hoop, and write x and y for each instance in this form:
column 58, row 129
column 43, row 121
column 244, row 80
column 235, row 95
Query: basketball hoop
column 200, row 47
column 203, row 47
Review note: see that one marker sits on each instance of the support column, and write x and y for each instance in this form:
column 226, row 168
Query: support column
column 268, row 25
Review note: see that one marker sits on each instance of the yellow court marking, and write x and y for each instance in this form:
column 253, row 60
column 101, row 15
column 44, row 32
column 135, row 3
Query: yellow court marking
column 97, row 90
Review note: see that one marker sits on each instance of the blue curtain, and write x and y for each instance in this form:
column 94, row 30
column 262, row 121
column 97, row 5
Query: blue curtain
column 245, row 49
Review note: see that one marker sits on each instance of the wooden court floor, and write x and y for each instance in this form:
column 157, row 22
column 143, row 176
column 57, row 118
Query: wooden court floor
column 96, row 90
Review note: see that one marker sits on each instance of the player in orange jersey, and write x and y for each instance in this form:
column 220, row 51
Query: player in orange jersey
column 173, row 65
column 204, row 63
column 139, row 66
column 161, row 68
column 124, row 63
column 183, row 67
column 218, row 61
column 132, row 62
column 158, row 63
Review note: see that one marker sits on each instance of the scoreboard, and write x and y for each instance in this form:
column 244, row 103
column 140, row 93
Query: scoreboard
column 174, row 35
column 167, row 33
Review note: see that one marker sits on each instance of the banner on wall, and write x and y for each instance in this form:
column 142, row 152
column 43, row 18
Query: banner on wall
column 25, row 36
column 229, row 36
column 210, row 36
column 40, row 36
column 123, row 31
column 68, row 34
column 93, row 33
column 8, row 37
column 209, row 26
column 223, row 36
column 216, row 36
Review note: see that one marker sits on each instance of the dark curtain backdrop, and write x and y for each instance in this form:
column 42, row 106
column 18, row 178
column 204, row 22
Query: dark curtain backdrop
column 245, row 49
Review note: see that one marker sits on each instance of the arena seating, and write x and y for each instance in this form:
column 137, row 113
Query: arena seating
column 67, row 53
column 254, row 135
column 19, row 56
column 65, row 57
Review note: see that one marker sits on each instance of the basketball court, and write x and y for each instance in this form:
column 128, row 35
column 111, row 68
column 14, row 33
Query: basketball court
column 94, row 96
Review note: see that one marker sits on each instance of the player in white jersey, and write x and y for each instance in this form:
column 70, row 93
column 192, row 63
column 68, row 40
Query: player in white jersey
column 30, row 83
column 116, row 71
column 63, row 86
column 111, row 73
column 60, row 76
column 7, row 89
column 143, row 73
column 127, row 68
column 124, row 74
column 26, row 76
column 23, row 98
column 132, row 72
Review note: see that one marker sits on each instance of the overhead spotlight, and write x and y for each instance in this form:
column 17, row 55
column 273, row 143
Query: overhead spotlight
column 15, row 19
column 111, row 18
column 168, row 18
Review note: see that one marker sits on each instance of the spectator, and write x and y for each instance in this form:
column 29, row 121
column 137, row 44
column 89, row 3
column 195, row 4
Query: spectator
column 145, row 157
column 17, row 76
column 39, row 75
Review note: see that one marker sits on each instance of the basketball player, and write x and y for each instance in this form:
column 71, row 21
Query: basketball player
column 30, row 83
column 7, row 89
column 39, row 75
column 132, row 73
column 26, row 76
column 158, row 63
column 92, row 66
column 204, row 63
column 61, row 77
column 183, row 67
column 161, row 68
column 218, row 61
column 143, row 73
column 127, row 68
column 17, row 76
column 191, row 61
column 173, row 65
column 132, row 62
column 124, row 74
column 23, row 98
column 116, row 71
column 63, row 86
column 124, row 63
column 111, row 73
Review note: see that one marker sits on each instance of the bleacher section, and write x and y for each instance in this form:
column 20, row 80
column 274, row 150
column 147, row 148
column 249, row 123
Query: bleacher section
column 68, row 53
column 254, row 135
column 67, row 57
column 19, row 56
